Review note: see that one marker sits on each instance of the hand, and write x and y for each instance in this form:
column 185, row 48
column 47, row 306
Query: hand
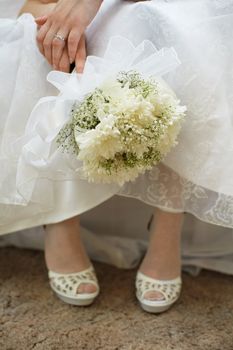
column 69, row 19
column 80, row 58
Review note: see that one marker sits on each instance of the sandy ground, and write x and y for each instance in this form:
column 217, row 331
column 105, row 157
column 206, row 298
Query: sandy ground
column 31, row 317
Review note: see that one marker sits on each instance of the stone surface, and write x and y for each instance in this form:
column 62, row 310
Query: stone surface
column 31, row 317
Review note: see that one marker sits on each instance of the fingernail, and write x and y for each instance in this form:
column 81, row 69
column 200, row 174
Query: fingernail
column 40, row 17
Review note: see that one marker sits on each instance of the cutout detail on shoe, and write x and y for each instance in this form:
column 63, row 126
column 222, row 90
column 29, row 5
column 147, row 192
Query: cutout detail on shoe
column 69, row 284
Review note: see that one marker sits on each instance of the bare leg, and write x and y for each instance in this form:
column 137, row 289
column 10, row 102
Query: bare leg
column 64, row 251
column 163, row 258
column 37, row 7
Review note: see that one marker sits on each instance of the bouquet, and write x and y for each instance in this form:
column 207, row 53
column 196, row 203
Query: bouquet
column 115, row 121
column 123, row 128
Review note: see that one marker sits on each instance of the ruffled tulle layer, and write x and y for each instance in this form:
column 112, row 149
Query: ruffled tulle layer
column 23, row 72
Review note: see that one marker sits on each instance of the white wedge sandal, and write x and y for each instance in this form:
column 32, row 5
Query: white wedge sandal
column 170, row 289
column 65, row 286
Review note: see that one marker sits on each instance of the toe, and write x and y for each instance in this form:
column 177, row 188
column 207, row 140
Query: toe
column 154, row 296
column 86, row 288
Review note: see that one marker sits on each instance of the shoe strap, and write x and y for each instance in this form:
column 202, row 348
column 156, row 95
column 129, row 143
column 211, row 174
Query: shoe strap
column 170, row 289
column 67, row 284
column 153, row 280
column 53, row 274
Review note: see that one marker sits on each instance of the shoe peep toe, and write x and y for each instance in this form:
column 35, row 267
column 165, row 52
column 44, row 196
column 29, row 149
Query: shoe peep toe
column 170, row 289
column 66, row 285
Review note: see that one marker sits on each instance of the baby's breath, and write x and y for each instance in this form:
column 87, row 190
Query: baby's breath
column 66, row 139
column 135, row 81
column 123, row 128
column 84, row 114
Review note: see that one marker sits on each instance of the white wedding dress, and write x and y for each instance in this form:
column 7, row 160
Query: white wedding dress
column 196, row 177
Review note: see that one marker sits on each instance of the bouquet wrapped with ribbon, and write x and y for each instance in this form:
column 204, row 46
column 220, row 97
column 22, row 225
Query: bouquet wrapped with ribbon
column 116, row 120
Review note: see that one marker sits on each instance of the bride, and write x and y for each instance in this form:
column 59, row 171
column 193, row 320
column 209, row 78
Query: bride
column 189, row 180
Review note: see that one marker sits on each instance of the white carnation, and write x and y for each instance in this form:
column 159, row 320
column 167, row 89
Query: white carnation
column 125, row 127
column 103, row 141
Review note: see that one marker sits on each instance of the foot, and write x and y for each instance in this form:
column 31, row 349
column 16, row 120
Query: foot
column 170, row 290
column 65, row 253
column 160, row 266
column 163, row 259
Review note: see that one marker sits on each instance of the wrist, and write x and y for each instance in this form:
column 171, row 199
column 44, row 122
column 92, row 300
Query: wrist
column 37, row 8
column 97, row 2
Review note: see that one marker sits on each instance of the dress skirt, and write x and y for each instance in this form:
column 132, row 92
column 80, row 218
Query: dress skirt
column 195, row 177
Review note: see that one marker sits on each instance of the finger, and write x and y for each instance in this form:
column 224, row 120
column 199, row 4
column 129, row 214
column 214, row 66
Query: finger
column 48, row 42
column 40, row 23
column 58, row 47
column 73, row 41
column 41, row 20
column 41, row 34
column 64, row 64
column 81, row 55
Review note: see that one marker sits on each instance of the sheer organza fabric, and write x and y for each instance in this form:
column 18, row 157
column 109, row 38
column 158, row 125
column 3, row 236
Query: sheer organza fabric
column 195, row 176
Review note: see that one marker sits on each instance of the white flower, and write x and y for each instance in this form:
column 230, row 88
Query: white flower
column 103, row 141
column 125, row 127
